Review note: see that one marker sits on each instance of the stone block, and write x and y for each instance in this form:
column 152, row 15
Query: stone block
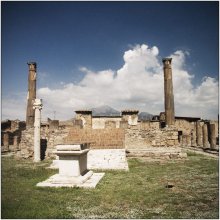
column 107, row 159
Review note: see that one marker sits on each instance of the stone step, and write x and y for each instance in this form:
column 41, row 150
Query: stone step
column 157, row 153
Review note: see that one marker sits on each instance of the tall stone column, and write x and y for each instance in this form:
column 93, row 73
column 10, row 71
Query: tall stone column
column 31, row 94
column 212, row 136
column 205, row 136
column 37, row 106
column 198, row 134
column 168, row 92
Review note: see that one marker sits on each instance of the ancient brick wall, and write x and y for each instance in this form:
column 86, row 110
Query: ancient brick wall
column 99, row 139
column 148, row 134
column 185, row 126
column 49, row 139
column 104, row 122
column 144, row 135
column 112, row 138
column 26, row 146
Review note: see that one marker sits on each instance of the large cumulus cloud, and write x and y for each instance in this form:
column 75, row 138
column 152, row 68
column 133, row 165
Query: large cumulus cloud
column 137, row 84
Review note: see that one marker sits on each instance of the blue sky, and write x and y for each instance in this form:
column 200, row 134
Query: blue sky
column 72, row 41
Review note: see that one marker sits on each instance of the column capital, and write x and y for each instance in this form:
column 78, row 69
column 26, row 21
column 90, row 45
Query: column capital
column 167, row 62
column 37, row 104
column 32, row 65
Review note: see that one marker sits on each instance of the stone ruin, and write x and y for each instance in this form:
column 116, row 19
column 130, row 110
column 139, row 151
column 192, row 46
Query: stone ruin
column 112, row 138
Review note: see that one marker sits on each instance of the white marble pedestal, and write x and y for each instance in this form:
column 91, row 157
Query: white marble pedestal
column 73, row 168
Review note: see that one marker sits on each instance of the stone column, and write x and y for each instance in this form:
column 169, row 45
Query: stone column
column 168, row 92
column 31, row 94
column 184, row 141
column 15, row 141
column 212, row 136
column 198, row 134
column 6, row 141
column 205, row 136
column 37, row 105
column 188, row 140
column 193, row 136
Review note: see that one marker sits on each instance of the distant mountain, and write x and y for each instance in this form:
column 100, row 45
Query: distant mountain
column 105, row 110
column 144, row 116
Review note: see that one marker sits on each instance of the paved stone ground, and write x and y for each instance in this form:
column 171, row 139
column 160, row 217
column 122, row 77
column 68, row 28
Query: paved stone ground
column 207, row 152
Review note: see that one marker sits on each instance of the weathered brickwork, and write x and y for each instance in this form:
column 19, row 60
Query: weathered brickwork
column 185, row 126
column 49, row 139
column 108, row 138
column 27, row 143
column 137, row 137
column 144, row 135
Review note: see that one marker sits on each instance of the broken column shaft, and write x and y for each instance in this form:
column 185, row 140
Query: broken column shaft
column 6, row 141
column 205, row 136
column 37, row 105
column 31, row 94
column 212, row 136
column 198, row 134
column 168, row 92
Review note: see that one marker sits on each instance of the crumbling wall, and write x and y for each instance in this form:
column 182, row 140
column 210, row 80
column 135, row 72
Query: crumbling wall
column 185, row 126
column 148, row 134
column 26, row 146
column 11, row 134
column 49, row 139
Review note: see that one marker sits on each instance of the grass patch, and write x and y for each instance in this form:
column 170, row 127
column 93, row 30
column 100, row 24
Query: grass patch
column 139, row 193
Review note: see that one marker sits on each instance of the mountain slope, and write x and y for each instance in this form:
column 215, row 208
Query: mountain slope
column 143, row 116
column 105, row 110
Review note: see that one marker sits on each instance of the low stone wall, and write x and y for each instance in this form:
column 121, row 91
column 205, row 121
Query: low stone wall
column 104, row 159
column 49, row 139
column 158, row 153
column 107, row 159
column 26, row 146
column 143, row 137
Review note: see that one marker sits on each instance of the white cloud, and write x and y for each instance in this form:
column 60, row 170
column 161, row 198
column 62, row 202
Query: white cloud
column 14, row 108
column 137, row 84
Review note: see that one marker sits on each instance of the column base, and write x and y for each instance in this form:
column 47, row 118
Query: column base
column 88, row 180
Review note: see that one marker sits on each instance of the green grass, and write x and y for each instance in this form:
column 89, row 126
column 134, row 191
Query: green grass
column 139, row 193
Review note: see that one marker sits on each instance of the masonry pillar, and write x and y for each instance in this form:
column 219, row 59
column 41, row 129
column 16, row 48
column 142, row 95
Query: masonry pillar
column 168, row 92
column 37, row 105
column 198, row 134
column 31, row 94
column 212, row 136
column 205, row 136
column 15, row 141
column 193, row 136
column 130, row 116
column 188, row 140
column 85, row 116
column 6, row 140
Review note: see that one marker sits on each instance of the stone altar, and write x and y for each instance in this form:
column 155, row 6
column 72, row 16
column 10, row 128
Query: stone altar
column 73, row 168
